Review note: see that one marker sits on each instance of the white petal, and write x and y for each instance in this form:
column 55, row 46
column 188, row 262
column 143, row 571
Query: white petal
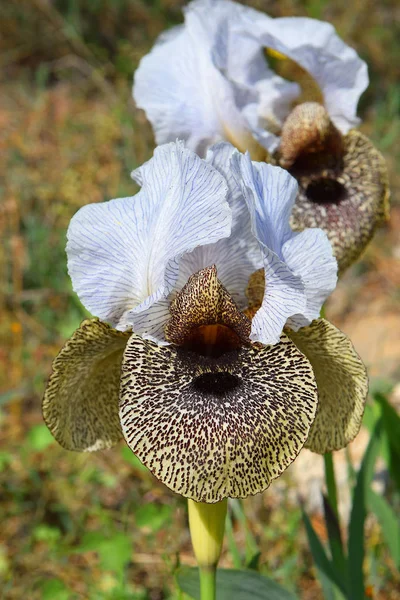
column 208, row 80
column 300, row 271
column 183, row 92
column 236, row 257
column 341, row 75
column 270, row 193
column 273, row 103
column 284, row 296
column 123, row 255
column 309, row 255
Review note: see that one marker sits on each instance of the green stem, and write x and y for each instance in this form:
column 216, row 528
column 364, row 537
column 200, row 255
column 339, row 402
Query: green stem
column 331, row 482
column 208, row 583
column 207, row 526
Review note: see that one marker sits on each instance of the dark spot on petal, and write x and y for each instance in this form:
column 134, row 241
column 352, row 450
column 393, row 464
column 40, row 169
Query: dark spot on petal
column 325, row 191
column 217, row 384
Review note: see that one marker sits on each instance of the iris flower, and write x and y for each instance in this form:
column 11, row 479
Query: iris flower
column 212, row 79
column 207, row 354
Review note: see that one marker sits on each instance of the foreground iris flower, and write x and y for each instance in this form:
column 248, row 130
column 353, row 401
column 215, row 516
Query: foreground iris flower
column 207, row 389
column 209, row 80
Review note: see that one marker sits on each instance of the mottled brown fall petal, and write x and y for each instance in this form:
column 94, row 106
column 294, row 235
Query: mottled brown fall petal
column 342, row 385
column 214, row 428
column 346, row 195
column 80, row 406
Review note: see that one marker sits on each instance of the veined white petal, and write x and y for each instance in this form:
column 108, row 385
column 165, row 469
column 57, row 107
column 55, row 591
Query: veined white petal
column 300, row 271
column 237, row 256
column 284, row 296
column 198, row 80
column 341, row 75
column 123, row 255
column 183, row 92
column 309, row 254
column 270, row 193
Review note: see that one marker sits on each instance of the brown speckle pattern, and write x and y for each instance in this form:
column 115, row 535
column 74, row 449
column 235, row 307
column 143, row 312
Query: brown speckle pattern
column 351, row 222
column 204, row 301
column 80, row 406
column 226, row 434
column 342, row 385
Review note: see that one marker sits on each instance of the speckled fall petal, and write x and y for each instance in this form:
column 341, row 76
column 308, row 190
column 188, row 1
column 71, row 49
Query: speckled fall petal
column 342, row 385
column 214, row 428
column 347, row 197
column 80, row 406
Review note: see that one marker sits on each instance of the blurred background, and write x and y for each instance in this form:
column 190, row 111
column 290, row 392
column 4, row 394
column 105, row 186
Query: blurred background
column 100, row 526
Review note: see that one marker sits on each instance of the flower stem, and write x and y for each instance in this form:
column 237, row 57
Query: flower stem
column 331, row 482
column 208, row 583
column 207, row 526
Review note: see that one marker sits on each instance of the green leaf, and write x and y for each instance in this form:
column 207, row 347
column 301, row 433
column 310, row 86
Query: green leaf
column 389, row 523
column 253, row 563
column 335, row 540
column 153, row 516
column 372, row 414
column 39, row 438
column 391, row 421
column 240, row 585
column 358, row 515
column 321, row 560
column 115, row 551
column 391, row 437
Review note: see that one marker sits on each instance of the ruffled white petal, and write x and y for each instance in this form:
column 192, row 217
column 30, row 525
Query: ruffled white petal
column 310, row 256
column 199, row 80
column 270, row 193
column 284, row 296
column 300, row 271
column 341, row 75
column 272, row 103
column 123, row 255
column 236, row 257
column 183, row 92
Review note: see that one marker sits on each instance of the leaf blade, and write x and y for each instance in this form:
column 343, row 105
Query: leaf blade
column 358, row 514
column 240, row 585
column 320, row 557
column 389, row 524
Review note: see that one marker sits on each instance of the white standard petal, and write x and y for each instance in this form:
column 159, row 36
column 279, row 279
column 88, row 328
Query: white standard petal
column 341, row 75
column 123, row 255
column 270, row 193
column 300, row 271
column 207, row 80
column 182, row 91
column 237, row 256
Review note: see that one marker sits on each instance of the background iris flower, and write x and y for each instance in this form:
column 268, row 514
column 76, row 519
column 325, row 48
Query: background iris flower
column 201, row 380
column 210, row 80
